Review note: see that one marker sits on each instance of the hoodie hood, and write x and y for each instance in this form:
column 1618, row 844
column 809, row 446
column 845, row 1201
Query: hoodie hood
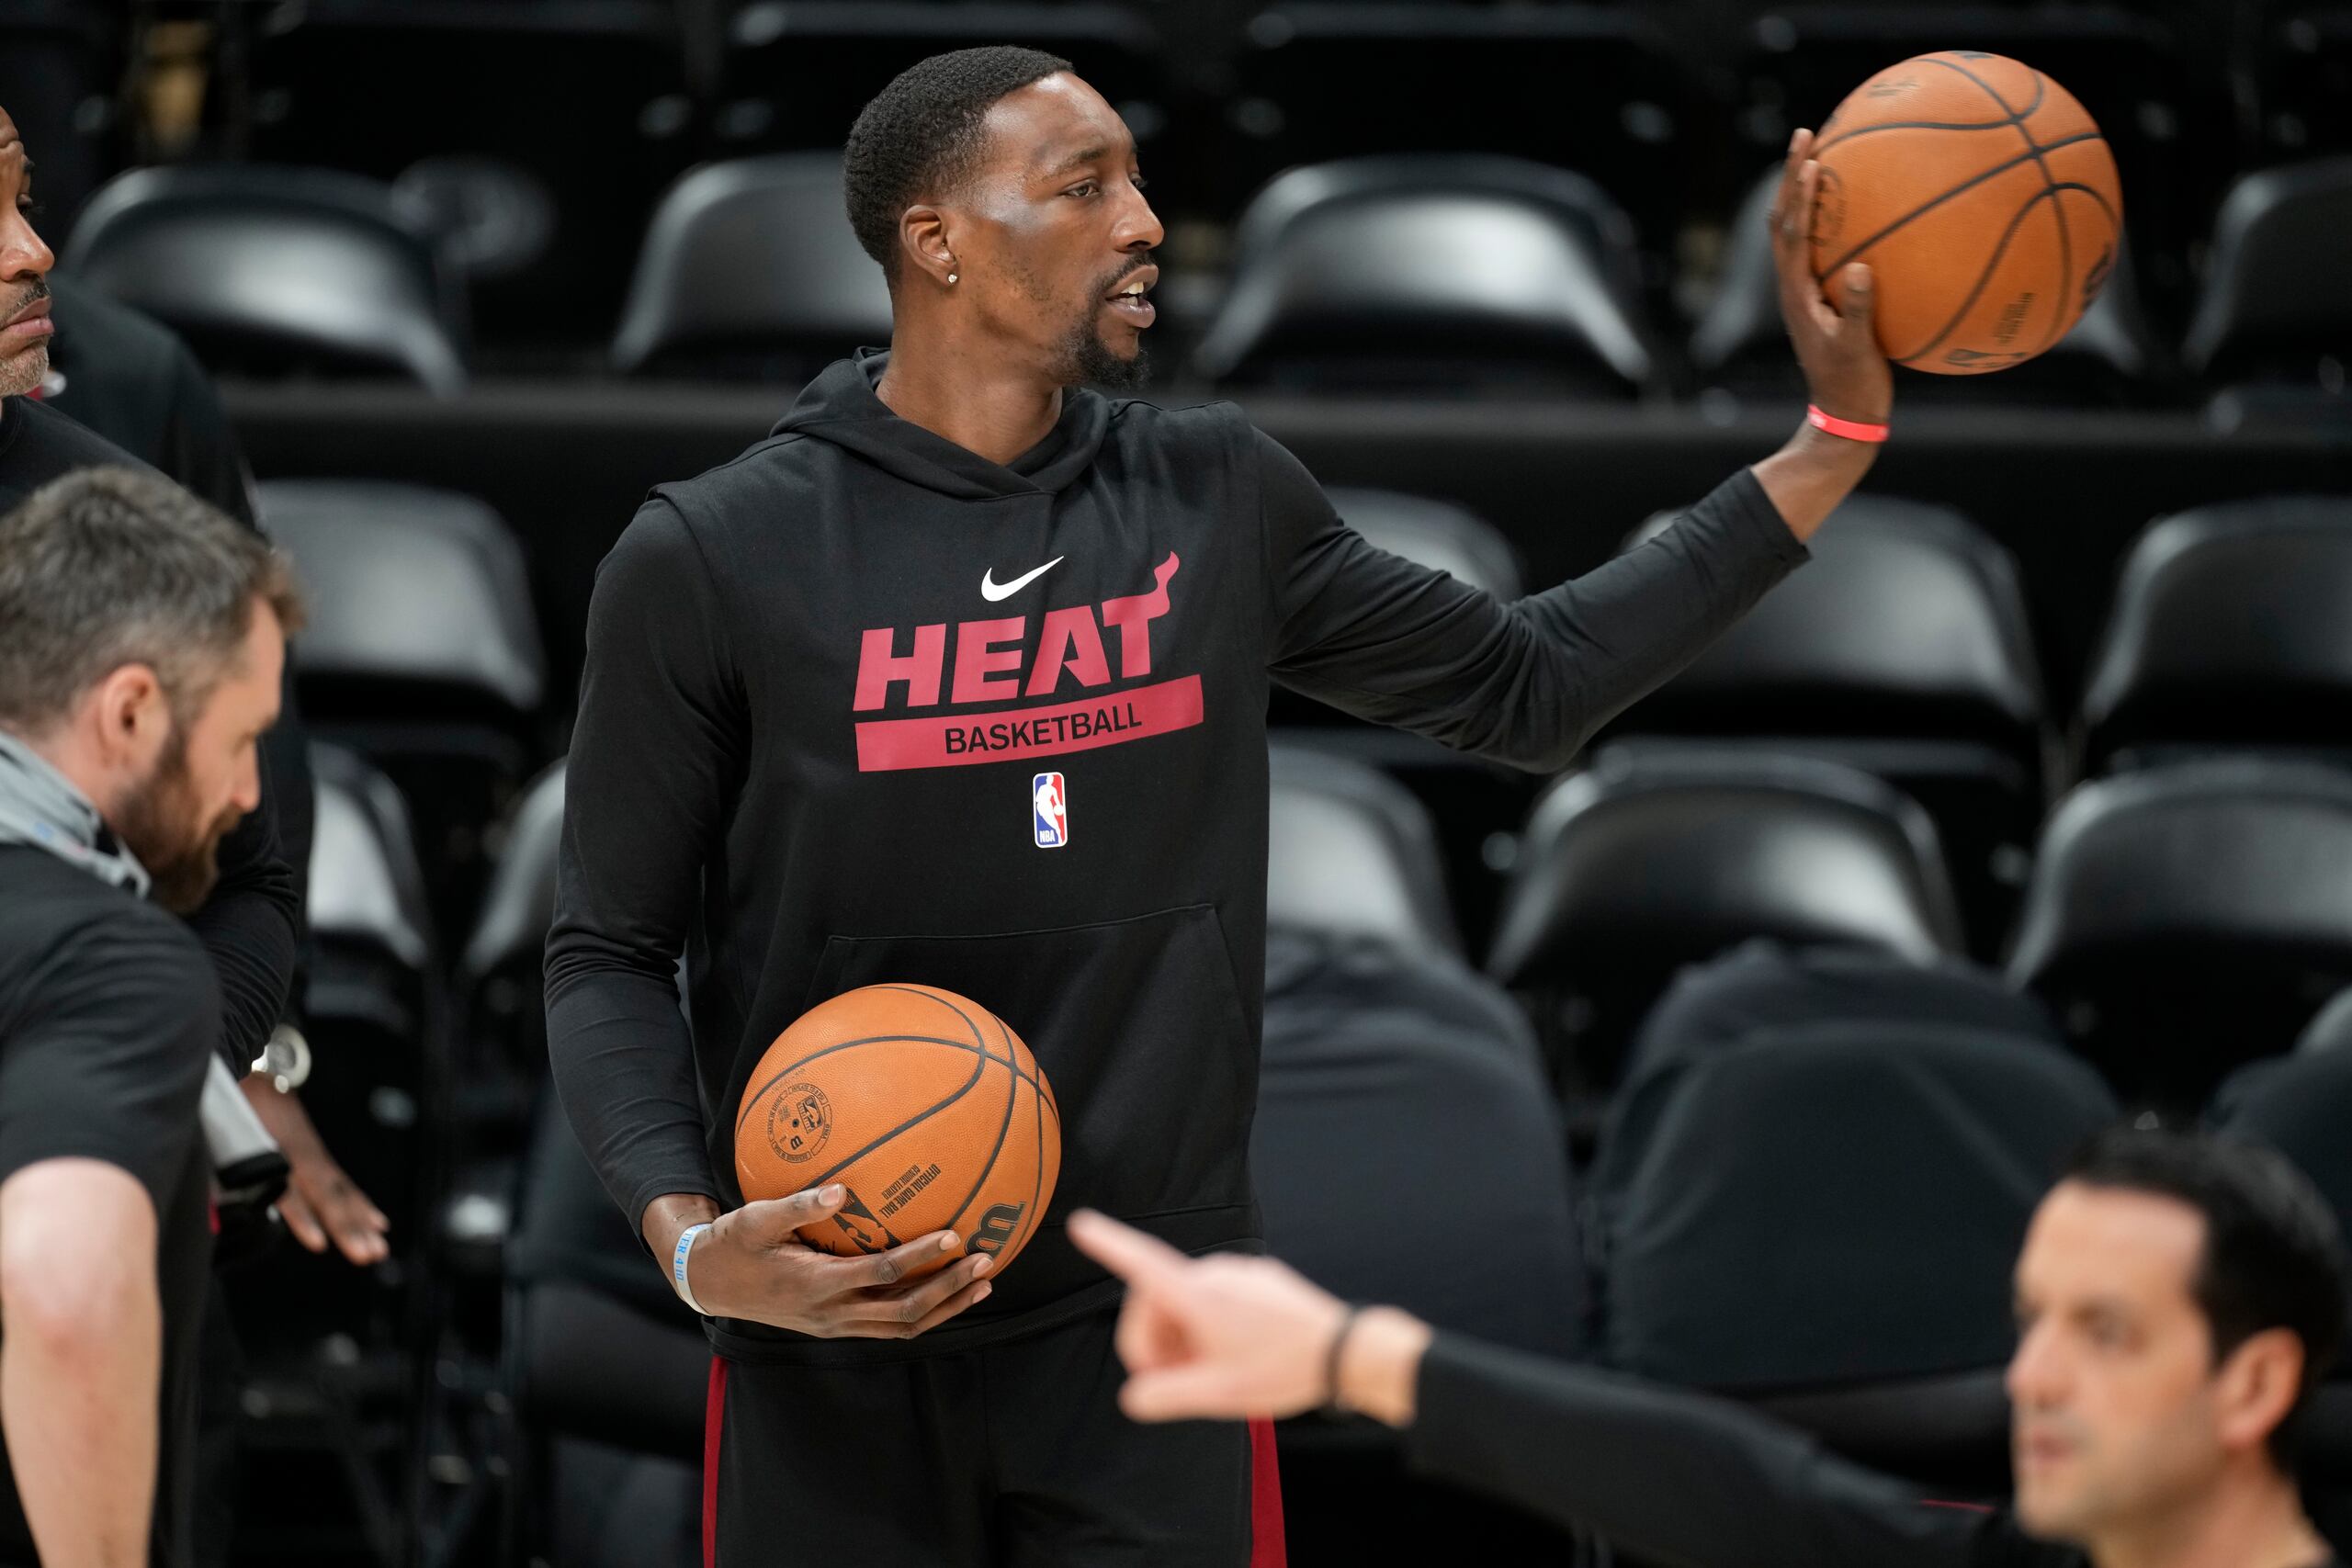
column 840, row 406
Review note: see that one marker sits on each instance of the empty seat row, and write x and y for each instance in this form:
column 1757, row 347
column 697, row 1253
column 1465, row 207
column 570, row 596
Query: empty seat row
column 1465, row 273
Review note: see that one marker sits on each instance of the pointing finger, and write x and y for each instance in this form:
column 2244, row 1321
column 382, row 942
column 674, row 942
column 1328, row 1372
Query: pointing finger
column 1134, row 1256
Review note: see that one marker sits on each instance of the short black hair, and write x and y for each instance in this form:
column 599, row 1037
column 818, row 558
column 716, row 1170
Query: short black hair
column 2274, row 1250
column 921, row 136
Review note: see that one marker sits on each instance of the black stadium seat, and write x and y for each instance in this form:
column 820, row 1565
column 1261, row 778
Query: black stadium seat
column 2227, row 632
column 2275, row 321
column 1594, row 86
column 271, row 270
column 499, row 987
column 60, row 62
column 1642, row 864
column 1471, row 801
column 1741, row 347
column 554, row 125
column 797, row 71
column 1770, row 989
column 1902, row 649
column 1401, row 1095
column 751, row 265
column 2330, row 1028
column 1433, row 273
column 333, row 1358
column 598, row 1352
column 422, row 651
column 1352, row 853
column 1824, row 1222
column 2184, row 919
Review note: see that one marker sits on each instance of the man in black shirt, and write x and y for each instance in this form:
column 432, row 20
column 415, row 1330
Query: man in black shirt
column 252, row 924
column 141, row 641
column 2178, row 1297
column 827, row 684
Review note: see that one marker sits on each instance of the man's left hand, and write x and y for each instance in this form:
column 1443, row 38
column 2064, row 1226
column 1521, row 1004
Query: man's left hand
column 1845, row 373
column 321, row 1203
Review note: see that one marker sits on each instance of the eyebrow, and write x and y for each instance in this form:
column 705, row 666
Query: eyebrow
column 1094, row 154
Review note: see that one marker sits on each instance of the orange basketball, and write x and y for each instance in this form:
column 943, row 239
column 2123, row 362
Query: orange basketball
column 1984, row 199
column 923, row 1105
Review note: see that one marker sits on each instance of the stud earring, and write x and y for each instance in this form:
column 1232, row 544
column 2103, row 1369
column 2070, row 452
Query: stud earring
column 951, row 278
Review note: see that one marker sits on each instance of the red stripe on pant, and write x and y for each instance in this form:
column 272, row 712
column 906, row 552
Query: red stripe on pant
column 714, row 1418
column 1266, row 1550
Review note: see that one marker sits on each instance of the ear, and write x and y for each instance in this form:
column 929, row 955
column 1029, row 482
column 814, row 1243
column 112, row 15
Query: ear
column 129, row 716
column 2256, row 1387
column 923, row 244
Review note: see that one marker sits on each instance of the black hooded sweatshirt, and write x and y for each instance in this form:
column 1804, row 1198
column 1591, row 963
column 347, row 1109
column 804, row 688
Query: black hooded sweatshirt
column 822, row 681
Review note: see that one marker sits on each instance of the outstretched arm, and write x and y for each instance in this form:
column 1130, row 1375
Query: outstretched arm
column 1529, row 683
column 1672, row 1476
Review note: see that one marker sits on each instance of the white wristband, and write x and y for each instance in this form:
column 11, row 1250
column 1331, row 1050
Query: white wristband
column 678, row 1267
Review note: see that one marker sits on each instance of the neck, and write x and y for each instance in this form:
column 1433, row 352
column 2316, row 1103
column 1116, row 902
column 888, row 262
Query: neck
column 2256, row 1521
column 974, row 394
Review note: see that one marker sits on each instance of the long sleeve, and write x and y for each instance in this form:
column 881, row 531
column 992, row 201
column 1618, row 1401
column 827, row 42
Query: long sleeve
column 1525, row 683
column 250, row 926
column 656, row 755
column 1681, row 1478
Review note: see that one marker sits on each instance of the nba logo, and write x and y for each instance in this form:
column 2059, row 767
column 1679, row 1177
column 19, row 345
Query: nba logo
column 1050, row 807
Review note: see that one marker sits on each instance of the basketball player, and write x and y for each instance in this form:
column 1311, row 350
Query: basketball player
column 2177, row 1299
column 822, row 681
column 142, row 638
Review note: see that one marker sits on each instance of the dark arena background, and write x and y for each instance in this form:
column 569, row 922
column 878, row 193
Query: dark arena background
column 2043, row 768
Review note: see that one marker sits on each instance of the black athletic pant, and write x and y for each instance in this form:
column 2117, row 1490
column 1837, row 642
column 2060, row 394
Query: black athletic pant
column 1008, row 1456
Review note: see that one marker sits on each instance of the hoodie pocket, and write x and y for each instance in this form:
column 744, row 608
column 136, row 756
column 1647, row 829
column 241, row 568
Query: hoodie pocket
column 1139, row 1027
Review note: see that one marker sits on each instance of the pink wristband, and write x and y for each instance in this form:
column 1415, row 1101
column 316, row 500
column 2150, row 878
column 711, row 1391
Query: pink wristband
column 1852, row 430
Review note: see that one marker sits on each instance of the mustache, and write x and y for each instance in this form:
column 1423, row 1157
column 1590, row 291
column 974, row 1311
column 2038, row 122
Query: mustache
column 1134, row 266
column 33, row 295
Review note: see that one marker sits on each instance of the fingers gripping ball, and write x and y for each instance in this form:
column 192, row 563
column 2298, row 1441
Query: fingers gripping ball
column 1984, row 199
column 923, row 1105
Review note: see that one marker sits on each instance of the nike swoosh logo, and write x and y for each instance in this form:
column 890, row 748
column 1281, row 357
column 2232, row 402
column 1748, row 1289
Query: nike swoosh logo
column 993, row 590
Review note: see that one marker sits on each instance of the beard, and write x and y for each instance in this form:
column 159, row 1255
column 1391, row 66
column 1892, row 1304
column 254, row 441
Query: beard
column 25, row 370
column 1094, row 364
column 1086, row 358
column 159, row 824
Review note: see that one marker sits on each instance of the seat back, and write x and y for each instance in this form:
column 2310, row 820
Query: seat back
column 1353, row 852
column 374, row 1012
column 751, row 264
column 1372, row 1050
column 271, row 270
column 1909, row 621
column 2274, row 306
column 2227, row 631
column 1868, row 1185
column 2184, row 919
column 1432, row 272
column 420, row 599
column 1644, row 863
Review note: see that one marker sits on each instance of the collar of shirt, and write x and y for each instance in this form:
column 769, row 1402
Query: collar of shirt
column 40, row 806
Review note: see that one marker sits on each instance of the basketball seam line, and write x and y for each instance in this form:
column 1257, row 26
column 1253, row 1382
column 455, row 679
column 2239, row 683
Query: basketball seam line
column 1984, row 278
column 1011, row 1098
column 752, row 1097
column 2049, row 188
column 1956, row 190
column 2050, row 193
column 1845, row 136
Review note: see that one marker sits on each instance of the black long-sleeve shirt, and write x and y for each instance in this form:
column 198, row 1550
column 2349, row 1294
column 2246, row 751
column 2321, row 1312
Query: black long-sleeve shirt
column 822, row 681
column 251, row 923
column 1684, row 1478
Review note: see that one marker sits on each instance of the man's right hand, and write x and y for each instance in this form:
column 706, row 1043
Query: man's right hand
column 752, row 1265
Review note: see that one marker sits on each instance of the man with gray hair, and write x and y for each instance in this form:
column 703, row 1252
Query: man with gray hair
column 144, row 636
